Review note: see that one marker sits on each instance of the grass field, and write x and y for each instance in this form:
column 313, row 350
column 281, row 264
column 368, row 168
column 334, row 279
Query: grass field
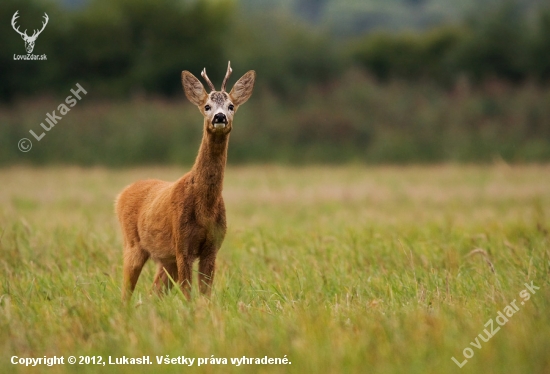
column 342, row 269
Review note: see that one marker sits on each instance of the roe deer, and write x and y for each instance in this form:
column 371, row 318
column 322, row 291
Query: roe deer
column 176, row 223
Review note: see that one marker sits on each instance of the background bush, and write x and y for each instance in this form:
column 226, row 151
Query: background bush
column 473, row 89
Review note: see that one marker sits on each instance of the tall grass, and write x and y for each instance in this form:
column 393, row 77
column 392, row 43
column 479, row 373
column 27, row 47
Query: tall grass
column 341, row 269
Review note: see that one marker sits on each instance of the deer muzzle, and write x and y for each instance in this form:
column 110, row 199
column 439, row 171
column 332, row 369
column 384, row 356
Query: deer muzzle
column 219, row 120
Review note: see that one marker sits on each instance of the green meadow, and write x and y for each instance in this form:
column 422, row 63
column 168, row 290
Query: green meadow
column 344, row 269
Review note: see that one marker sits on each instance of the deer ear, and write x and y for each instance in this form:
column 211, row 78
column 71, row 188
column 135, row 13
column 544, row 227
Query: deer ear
column 193, row 88
column 242, row 90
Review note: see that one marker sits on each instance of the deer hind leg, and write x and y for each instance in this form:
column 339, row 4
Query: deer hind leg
column 134, row 259
column 162, row 282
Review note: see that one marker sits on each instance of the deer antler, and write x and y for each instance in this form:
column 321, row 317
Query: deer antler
column 24, row 34
column 203, row 74
column 15, row 16
column 227, row 74
column 43, row 26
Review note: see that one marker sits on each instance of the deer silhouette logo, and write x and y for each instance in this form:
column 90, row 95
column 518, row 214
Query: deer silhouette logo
column 29, row 40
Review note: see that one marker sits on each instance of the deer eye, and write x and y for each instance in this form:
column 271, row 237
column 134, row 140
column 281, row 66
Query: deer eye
column 207, row 107
column 231, row 107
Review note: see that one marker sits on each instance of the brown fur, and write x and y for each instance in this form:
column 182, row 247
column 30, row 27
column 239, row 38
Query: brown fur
column 176, row 223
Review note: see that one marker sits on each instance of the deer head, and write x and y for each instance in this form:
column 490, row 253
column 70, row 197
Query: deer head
column 218, row 107
column 29, row 40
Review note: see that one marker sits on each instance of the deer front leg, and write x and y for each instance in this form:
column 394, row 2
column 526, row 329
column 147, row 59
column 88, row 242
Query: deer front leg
column 207, row 268
column 186, row 246
column 162, row 282
column 207, row 262
column 185, row 266
column 209, row 251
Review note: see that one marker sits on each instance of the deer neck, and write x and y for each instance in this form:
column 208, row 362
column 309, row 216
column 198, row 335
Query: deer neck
column 208, row 170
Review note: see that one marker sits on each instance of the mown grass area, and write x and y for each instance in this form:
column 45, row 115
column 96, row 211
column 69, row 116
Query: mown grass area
column 342, row 269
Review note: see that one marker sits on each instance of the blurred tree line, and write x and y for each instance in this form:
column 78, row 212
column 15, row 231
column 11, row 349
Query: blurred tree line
column 469, row 91
column 503, row 43
column 126, row 47
column 117, row 47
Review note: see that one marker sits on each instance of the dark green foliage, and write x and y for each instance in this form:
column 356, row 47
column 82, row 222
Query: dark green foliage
column 540, row 58
column 496, row 46
column 473, row 91
column 356, row 119
column 409, row 56
column 502, row 43
column 117, row 47
column 125, row 47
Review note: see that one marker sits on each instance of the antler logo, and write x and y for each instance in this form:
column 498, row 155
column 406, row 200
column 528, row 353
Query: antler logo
column 29, row 40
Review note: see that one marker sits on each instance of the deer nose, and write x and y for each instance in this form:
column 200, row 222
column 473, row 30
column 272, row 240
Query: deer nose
column 220, row 118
